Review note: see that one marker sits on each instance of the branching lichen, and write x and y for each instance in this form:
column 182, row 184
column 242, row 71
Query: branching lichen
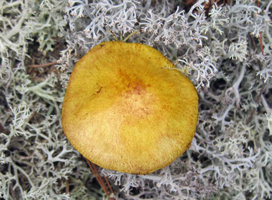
column 227, row 54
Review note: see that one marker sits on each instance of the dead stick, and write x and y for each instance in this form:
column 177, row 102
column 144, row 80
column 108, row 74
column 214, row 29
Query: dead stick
column 107, row 181
column 67, row 186
column 43, row 65
column 99, row 178
column 261, row 41
column 103, row 185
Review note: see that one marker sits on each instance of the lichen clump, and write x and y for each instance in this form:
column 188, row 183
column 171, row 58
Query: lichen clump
column 225, row 51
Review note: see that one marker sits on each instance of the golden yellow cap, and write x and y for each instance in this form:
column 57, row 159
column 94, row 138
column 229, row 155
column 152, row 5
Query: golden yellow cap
column 126, row 108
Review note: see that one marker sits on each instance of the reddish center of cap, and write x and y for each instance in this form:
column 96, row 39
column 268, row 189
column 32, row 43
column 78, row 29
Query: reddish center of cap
column 136, row 100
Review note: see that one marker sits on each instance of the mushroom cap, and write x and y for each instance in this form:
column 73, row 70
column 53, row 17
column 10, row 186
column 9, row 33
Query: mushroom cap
column 128, row 109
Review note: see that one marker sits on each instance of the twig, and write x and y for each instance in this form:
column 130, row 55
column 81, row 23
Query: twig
column 107, row 181
column 131, row 34
column 67, row 186
column 43, row 65
column 261, row 42
column 115, row 37
column 99, row 179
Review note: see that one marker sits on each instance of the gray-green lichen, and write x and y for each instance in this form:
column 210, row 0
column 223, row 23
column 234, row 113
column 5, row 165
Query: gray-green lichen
column 227, row 54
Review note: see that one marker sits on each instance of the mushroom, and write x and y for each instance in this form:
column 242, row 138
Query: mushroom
column 127, row 108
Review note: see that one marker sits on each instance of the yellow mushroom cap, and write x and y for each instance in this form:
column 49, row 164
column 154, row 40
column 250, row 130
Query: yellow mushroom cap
column 126, row 108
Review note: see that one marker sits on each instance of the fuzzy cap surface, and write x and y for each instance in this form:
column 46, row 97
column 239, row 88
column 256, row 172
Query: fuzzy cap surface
column 128, row 109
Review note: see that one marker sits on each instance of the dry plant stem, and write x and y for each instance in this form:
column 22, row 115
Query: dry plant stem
column 43, row 65
column 99, row 179
column 261, row 42
column 107, row 181
column 253, row 41
column 116, row 39
column 67, row 186
column 133, row 33
column 121, row 37
column 257, row 102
